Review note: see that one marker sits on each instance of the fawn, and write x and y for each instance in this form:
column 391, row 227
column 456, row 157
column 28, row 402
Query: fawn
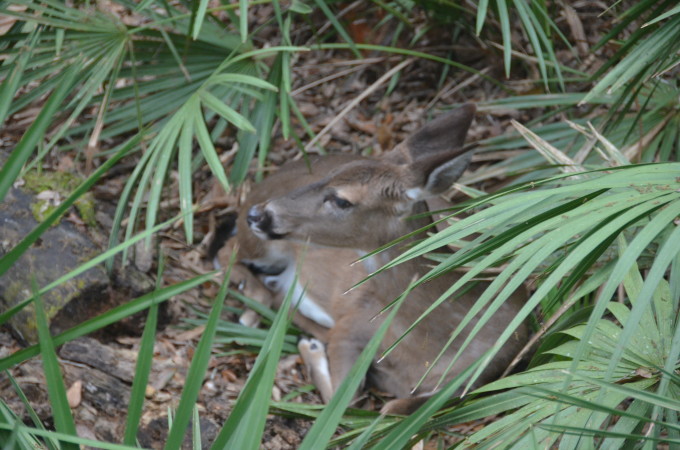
column 351, row 205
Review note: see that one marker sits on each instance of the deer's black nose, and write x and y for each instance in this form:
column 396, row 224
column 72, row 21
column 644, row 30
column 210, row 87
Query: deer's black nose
column 261, row 221
column 258, row 217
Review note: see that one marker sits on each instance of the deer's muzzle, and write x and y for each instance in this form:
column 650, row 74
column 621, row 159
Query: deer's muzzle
column 261, row 222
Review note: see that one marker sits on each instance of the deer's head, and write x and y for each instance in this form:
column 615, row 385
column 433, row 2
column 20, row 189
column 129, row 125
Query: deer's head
column 362, row 203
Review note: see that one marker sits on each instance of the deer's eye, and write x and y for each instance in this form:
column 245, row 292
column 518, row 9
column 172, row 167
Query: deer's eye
column 338, row 201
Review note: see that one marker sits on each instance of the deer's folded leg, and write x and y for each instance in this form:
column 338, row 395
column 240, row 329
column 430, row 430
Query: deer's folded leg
column 404, row 406
column 313, row 354
column 346, row 341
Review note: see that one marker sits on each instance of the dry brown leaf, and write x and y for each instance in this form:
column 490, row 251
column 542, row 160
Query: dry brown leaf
column 191, row 334
column 74, row 394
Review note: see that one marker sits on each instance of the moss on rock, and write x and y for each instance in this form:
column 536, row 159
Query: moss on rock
column 64, row 183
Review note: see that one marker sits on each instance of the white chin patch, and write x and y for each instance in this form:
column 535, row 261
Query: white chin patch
column 259, row 233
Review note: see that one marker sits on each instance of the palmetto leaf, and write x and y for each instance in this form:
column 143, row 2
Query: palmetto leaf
column 528, row 242
column 647, row 135
column 567, row 226
column 143, row 367
column 537, row 24
column 170, row 93
column 246, row 422
column 590, row 401
column 651, row 56
column 197, row 369
column 63, row 418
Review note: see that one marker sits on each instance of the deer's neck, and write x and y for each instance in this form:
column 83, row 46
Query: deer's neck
column 398, row 278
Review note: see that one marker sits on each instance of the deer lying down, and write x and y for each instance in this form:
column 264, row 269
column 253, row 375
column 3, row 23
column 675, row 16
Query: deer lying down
column 265, row 270
column 359, row 205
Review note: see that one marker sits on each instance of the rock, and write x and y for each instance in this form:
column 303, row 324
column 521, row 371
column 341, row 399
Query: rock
column 106, row 393
column 62, row 248
column 59, row 250
column 90, row 351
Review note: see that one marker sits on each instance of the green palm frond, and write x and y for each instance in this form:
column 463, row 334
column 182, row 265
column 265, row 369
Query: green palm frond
column 651, row 53
column 606, row 397
column 148, row 77
column 539, row 27
column 13, row 433
column 566, row 227
column 584, row 233
column 646, row 135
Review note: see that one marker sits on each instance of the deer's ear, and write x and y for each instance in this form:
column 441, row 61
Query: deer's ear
column 436, row 174
column 443, row 134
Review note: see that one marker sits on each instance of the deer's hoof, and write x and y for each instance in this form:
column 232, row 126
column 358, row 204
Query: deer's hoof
column 311, row 349
column 250, row 319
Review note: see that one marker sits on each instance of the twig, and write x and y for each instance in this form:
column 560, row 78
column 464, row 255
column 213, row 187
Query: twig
column 379, row 82
column 544, row 328
column 340, row 74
